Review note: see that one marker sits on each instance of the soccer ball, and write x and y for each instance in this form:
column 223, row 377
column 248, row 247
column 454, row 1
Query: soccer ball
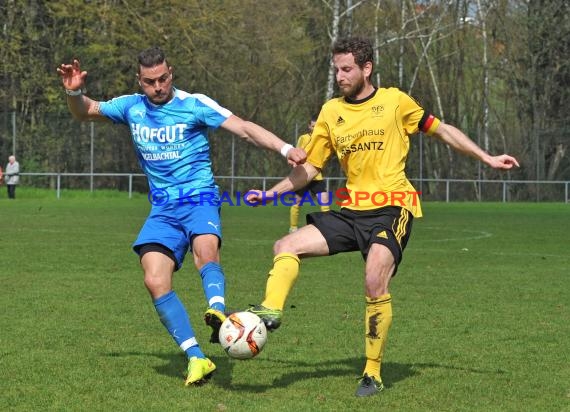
column 243, row 335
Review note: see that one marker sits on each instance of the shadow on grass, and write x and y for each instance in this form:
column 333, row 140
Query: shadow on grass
column 351, row 368
column 175, row 364
column 287, row 373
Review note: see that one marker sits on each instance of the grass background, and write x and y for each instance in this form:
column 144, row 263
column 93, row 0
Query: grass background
column 481, row 314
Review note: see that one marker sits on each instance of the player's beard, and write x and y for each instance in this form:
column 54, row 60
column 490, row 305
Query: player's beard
column 160, row 98
column 352, row 91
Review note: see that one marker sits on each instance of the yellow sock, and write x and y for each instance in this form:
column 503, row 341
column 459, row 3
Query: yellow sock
column 377, row 320
column 281, row 280
column 294, row 216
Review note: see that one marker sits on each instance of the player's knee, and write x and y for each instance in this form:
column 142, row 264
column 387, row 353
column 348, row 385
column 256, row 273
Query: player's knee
column 377, row 281
column 284, row 245
column 206, row 253
column 156, row 283
column 202, row 259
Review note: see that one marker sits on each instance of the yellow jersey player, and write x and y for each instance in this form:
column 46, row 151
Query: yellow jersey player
column 317, row 187
column 368, row 129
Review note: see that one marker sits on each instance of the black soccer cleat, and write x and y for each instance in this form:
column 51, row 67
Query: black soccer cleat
column 368, row 386
column 270, row 317
column 214, row 319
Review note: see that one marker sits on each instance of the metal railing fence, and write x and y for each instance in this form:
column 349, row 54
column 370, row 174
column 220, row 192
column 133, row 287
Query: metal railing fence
column 446, row 190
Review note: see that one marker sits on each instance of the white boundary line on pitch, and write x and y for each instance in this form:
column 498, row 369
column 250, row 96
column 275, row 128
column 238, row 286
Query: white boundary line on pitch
column 529, row 254
column 476, row 234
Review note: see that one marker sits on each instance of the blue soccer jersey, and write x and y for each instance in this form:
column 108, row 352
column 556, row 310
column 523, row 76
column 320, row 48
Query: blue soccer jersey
column 171, row 140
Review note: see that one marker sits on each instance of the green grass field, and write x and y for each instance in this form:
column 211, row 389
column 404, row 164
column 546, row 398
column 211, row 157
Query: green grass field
column 481, row 314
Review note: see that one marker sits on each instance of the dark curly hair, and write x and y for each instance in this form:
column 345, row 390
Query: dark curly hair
column 360, row 48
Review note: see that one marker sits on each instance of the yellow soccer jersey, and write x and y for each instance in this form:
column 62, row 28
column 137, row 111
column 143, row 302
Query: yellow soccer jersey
column 302, row 142
column 371, row 140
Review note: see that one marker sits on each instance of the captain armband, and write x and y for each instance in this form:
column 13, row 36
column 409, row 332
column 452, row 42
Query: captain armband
column 428, row 123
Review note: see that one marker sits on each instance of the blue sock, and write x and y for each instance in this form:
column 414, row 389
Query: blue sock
column 174, row 317
column 214, row 285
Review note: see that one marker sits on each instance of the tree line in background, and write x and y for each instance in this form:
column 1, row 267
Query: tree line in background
column 498, row 69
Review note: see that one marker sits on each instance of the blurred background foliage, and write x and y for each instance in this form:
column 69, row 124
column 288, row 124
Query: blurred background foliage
column 498, row 69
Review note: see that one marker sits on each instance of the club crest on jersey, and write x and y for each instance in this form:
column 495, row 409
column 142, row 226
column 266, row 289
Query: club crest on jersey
column 378, row 111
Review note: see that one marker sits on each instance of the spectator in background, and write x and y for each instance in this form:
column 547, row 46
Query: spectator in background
column 12, row 176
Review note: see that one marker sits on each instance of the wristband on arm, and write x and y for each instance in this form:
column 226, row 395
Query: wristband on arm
column 285, row 149
column 77, row 92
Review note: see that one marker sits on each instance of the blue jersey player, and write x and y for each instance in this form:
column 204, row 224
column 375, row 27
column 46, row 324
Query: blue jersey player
column 169, row 132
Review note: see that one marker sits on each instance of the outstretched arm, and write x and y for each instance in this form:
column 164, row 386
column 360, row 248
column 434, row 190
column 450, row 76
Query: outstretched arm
column 299, row 177
column 463, row 144
column 259, row 136
column 81, row 107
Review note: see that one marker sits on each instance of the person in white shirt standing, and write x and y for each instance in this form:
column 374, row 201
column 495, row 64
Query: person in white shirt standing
column 12, row 175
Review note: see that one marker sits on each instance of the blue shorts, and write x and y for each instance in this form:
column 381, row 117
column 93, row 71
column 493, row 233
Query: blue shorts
column 175, row 225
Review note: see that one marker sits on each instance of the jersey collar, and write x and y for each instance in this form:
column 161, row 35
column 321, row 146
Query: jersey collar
column 353, row 101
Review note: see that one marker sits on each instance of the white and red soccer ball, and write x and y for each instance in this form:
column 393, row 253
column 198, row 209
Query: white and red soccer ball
column 243, row 335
